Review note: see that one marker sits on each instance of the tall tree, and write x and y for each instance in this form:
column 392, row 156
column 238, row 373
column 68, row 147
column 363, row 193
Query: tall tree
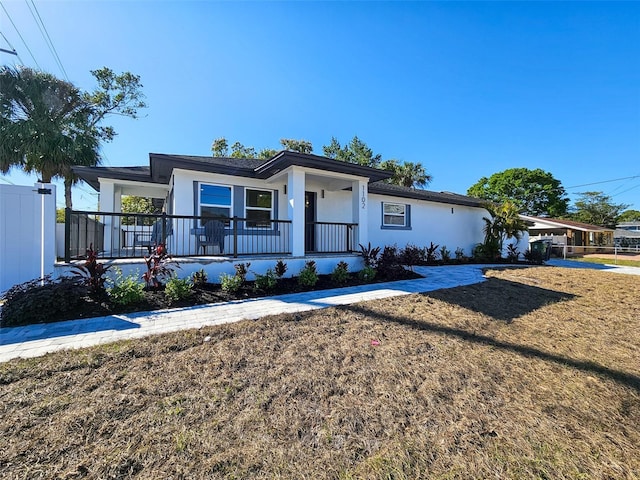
column 266, row 153
column 407, row 174
column 356, row 151
column 238, row 150
column 629, row 216
column 136, row 204
column 597, row 208
column 534, row 192
column 301, row 146
column 220, row 147
column 48, row 125
column 40, row 117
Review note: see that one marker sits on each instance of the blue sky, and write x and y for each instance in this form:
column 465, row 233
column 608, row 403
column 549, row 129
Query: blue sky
column 467, row 89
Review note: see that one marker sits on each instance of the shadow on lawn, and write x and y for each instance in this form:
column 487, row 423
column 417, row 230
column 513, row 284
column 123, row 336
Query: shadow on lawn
column 487, row 298
column 500, row 299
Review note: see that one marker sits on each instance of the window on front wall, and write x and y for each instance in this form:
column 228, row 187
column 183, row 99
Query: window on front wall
column 258, row 208
column 215, row 201
column 394, row 215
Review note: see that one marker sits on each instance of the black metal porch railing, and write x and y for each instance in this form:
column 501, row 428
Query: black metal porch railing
column 133, row 235
column 331, row 237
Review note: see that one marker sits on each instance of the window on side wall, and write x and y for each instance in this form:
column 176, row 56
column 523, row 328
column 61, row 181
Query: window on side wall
column 215, row 202
column 394, row 215
column 258, row 208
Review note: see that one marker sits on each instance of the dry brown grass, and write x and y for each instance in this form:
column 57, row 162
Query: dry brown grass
column 532, row 374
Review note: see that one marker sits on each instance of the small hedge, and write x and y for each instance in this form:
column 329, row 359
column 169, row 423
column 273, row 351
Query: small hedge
column 32, row 302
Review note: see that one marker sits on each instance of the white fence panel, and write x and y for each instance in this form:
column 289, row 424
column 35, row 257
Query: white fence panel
column 22, row 252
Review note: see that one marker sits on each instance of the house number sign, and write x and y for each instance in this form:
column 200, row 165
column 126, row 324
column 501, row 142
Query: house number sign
column 363, row 200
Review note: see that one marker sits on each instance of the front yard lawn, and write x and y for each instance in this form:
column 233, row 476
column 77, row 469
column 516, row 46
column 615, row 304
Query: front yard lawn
column 531, row 374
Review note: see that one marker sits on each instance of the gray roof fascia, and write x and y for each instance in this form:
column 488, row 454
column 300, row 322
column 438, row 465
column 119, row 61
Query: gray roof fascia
column 91, row 175
column 427, row 195
column 285, row 159
column 162, row 166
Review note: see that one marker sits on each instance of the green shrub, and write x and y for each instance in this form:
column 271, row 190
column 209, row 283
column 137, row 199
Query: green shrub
column 31, row 302
column 389, row 264
column 445, row 254
column 241, row 270
column 412, row 255
column 200, row 277
column 178, row 289
column 367, row 274
column 266, row 282
column 340, row 274
column 308, row 276
column 126, row 290
column 230, row 283
column 459, row 253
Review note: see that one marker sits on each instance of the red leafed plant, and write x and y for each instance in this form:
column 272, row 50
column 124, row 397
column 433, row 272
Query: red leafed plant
column 159, row 268
column 92, row 273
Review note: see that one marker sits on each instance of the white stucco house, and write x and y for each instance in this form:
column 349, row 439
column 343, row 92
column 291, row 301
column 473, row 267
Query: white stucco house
column 293, row 206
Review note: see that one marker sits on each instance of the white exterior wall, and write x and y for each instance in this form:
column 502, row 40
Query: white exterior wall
column 453, row 226
column 21, row 233
column 214, row 267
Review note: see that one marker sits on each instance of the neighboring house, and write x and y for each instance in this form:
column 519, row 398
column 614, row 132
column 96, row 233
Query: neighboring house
column 578, row 237
column 627, row 234
column 293, row 205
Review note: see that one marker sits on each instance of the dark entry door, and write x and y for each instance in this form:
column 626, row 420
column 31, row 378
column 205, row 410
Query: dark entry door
column 309, row 218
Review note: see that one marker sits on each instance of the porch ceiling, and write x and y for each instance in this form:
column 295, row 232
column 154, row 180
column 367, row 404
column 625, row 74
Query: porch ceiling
column 332, row 181
column 141, row 189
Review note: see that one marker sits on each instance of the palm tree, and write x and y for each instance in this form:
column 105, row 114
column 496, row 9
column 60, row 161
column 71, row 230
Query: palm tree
column 45, row 126
column 411, row 174
column 406, row 174
column 505, row 223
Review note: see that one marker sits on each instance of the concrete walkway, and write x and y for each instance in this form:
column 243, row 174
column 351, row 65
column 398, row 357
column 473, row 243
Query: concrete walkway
column 37, row 340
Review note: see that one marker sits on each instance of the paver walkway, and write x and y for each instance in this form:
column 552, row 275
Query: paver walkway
column 37, row 340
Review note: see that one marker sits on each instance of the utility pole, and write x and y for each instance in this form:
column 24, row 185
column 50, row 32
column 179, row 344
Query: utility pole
column 10, row 52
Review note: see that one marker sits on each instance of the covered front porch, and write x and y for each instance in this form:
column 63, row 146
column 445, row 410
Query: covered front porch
column 133, row 235
column 292, row 204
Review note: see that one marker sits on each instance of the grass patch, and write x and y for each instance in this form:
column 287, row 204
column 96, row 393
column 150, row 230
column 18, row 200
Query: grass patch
column 609, row 261
column 531, row 374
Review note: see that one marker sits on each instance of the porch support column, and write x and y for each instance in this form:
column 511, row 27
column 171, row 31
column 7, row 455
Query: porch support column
column 360, row 209
column 295, row 208
column 107, row 204
column 117, row 221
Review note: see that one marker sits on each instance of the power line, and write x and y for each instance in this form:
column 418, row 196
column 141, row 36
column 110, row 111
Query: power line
column 20, row 35
column 45, row 35
column 12, row 48
column 603, row 181
column 627, row 190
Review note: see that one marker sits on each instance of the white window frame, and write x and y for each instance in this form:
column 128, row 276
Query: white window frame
column 262, row 209
column 403, row 215
column 200, row 204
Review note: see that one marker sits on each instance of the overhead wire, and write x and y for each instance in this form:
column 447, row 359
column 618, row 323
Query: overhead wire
column 45, row 36
column 20, row 35
column 13, row 48
column 603, row 181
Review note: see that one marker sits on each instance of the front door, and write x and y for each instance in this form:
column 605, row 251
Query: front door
column 309, row 219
